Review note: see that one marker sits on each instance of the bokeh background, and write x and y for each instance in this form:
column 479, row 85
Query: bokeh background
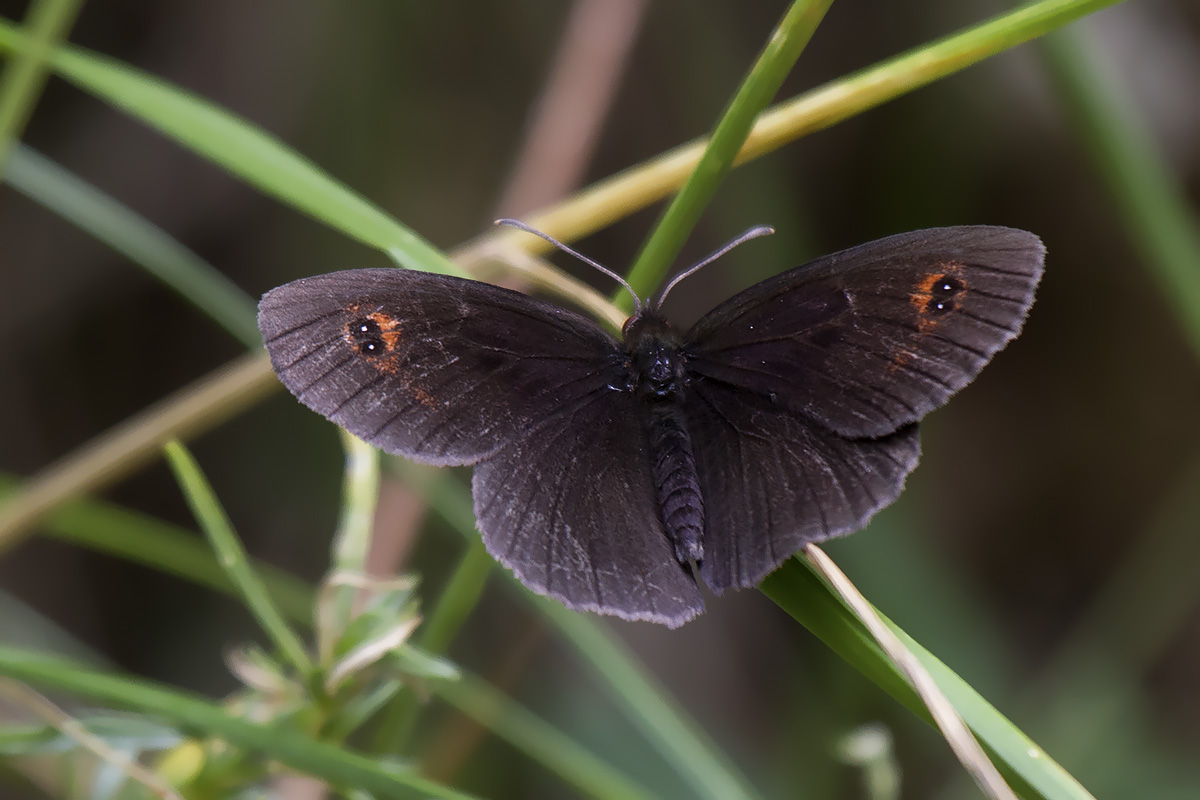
column 1044, row 549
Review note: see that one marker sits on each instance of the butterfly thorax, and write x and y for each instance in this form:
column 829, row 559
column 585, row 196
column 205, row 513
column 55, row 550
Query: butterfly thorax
column 657, row 373
column 655, row 362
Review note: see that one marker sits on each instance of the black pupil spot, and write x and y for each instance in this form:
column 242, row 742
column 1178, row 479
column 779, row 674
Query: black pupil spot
column 944, row 289
column 367, row 336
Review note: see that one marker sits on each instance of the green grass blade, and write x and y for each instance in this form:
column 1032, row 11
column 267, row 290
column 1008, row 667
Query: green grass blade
column 759, row 86
column 232, row 557
column 266, row 162
column 538, row 739
column 136, row 238
column 458, row 599
column 22, row 625
column 246, row 151
column 797, row 589
column 618, row 196
column 201, row 717
column 647, row 704
column 24, row 76
column 1149, row 200
column 138, row 440
column 142, row 539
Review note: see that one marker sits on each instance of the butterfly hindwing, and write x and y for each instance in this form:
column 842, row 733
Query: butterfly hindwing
column 773, row 481
column 571, row 509
column 873, row 338
column 435, row 368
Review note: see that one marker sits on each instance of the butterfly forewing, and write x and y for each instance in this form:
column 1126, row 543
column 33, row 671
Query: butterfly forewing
column 435, row 368
column 571, row 509
column 873, row 338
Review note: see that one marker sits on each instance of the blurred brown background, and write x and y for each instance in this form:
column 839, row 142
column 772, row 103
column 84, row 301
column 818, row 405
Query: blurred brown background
column 1037, row 483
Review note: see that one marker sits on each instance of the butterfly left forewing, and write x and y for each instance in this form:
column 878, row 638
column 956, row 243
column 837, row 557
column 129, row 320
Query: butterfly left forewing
column 438, row 369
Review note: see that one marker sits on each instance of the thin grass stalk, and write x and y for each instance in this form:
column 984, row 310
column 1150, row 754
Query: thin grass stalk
column 232, row 557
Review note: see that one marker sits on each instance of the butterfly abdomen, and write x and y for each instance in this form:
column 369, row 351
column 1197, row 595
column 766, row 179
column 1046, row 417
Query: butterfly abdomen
column 676, row 481
column 659, row 378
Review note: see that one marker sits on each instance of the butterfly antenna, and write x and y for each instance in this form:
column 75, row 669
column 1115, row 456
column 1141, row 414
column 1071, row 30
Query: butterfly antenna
column 516, row 223
column 753, row 233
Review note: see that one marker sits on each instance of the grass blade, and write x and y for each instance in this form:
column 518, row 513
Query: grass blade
column 136, row 238
column 136, row 441
column 538, row 739
column 1149, row 201
column 943, row 713
column 248, row 152
column 796, row 588
column 197, row 715
column 760, row 85
column 232, row 557
column 25, row 76
column 142, row 539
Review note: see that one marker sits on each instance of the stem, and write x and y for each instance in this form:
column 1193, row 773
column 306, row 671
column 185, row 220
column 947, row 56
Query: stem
column 352, row 542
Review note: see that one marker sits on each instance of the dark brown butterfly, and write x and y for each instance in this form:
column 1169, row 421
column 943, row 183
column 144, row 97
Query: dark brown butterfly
column 608, row 471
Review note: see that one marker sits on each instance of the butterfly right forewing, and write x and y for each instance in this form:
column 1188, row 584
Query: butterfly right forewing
column 873, row 338
column 805, row 389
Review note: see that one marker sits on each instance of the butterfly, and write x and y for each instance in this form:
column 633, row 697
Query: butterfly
column 614, row 473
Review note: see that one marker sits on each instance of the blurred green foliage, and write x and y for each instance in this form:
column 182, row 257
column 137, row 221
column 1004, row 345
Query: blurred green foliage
column 1042, row 547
